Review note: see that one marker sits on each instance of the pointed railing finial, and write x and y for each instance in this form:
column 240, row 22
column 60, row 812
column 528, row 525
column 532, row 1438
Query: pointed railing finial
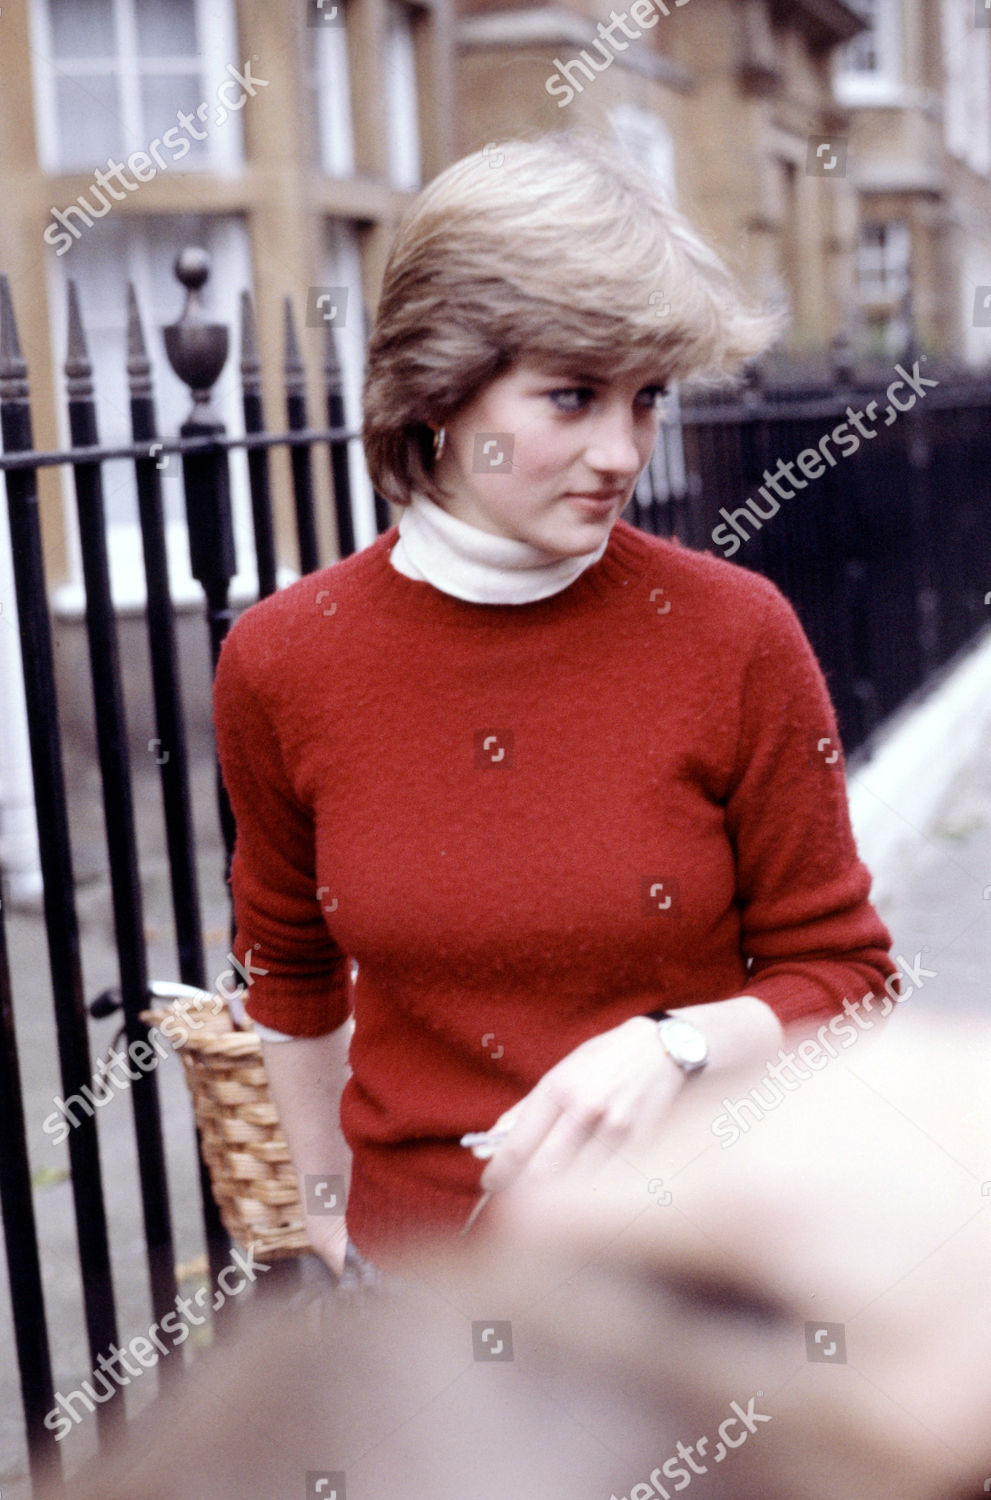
column 295, row 374
column 78, row 369
column 13, row 369
column 138, row 363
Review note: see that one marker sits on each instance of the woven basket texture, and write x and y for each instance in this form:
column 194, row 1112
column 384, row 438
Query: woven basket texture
column 246, row 1154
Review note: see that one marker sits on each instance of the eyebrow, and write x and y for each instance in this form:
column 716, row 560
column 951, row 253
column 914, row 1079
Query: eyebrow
column 573, row 375
column 584, row 378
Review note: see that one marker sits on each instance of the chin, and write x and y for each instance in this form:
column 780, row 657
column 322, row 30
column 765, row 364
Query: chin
column 589, row 534
column 575, row 546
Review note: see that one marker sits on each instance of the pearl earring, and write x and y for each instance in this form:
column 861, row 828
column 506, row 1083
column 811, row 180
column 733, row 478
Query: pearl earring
column 440, row 437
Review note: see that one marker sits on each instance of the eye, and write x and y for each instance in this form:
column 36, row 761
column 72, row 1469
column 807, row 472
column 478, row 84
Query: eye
column 572, row 398
column 652, row 396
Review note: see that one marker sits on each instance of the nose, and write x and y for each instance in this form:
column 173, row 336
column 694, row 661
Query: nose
column 613, row 447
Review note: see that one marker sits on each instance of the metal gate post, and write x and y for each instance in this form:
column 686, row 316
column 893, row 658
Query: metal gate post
column 197, row 351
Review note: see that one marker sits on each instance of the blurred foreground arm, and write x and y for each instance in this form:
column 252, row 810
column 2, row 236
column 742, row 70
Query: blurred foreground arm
column 648, row 1340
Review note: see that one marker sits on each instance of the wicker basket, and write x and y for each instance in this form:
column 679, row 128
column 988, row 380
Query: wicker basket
column 253, row 1180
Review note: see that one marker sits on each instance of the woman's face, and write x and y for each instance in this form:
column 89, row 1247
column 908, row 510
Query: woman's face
column 549, row 458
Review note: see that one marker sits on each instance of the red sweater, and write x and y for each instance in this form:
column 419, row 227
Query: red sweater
column 527, row 823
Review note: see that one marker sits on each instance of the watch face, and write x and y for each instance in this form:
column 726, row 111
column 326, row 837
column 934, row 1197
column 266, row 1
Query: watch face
column 686, row 1044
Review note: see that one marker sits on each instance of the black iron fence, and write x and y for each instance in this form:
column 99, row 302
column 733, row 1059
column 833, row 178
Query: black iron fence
column 872, row 518
column 876, row 525
column 198, row 351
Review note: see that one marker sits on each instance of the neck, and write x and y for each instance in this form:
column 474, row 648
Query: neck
column 437, row 548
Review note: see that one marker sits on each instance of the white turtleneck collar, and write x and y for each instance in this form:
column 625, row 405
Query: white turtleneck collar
column 437, row 548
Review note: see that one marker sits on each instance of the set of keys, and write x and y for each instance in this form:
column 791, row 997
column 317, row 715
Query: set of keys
column 483, row 1145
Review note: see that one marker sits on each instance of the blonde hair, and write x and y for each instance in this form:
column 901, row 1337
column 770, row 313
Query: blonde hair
column 558, row 249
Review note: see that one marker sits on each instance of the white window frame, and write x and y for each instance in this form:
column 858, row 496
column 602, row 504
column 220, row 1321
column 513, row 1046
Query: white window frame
column 231, row 273
column 330, row 81
column 217, row 31
column 885, row 83
column 890, row 276
column 966, row 86
column 401, row 98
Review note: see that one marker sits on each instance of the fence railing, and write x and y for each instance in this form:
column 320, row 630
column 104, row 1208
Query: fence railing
column 880, row 544
column 197, row 351
column 881, row 540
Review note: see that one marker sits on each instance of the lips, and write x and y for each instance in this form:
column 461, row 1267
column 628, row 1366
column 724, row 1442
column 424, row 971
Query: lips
column 600, row 501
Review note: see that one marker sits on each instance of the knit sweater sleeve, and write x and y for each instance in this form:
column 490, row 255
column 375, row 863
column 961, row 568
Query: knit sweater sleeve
column 297, row 974
column 809, row 932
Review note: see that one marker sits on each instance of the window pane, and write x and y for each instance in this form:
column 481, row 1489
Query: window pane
column 97, row 263
column 402, row 127
column 166, row 28
column 862, row 53
column 332, row 89
column 82, row 28
column 163, row 95
column 89, row 120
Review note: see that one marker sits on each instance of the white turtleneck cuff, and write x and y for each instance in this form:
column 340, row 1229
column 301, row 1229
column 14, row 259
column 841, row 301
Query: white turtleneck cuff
column 438, row 548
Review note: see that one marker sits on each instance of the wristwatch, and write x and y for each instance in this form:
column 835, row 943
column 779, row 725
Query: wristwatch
column 683, row 1042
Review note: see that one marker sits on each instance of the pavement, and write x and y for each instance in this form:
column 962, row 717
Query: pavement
column 922, row 811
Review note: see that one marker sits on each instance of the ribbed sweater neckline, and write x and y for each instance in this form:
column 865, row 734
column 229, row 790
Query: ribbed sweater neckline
column 393, row 594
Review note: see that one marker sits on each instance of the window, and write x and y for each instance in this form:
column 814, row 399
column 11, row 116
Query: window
column 884, row 283
column 110, row 253
column 402, row 123
column 883, row 261
column 330, row 86
column 869, row 68
column 331, row 91
column 116, row 75
column 863, row 55
column 966, row 85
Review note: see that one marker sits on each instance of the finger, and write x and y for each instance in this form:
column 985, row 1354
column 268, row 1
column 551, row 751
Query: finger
column 537, row 1114
column 568, row 1138
column 601, row 1150
column 509, row 1117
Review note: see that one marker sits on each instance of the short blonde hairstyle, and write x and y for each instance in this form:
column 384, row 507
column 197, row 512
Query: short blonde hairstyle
column 555, row 250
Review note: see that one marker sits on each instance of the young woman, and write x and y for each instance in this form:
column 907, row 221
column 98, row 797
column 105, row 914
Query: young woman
column 545, row 778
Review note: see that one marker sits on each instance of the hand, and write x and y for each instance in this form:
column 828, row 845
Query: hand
column 604, row 1102
column 329, row 1238
column 609, row 1096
